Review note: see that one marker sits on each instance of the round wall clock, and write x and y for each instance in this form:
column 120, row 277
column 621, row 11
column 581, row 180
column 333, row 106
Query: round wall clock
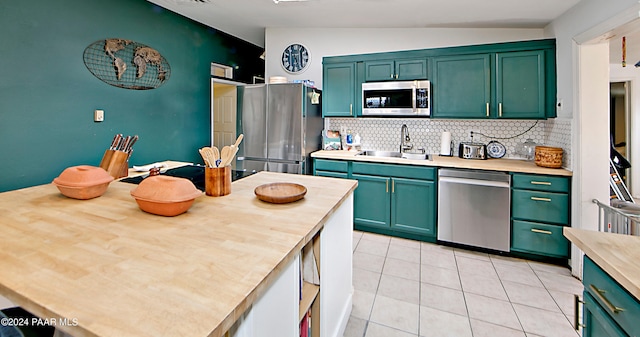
column 295, row 58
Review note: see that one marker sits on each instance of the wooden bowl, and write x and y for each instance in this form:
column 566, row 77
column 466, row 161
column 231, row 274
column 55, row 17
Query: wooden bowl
column 280, row 193
column 83, row 182
column 165, row 195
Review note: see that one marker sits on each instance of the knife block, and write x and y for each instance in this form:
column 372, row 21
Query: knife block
column 116, row 163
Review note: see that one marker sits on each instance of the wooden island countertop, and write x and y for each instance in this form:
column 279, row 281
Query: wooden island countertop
column 118, row 271
column 616, row 254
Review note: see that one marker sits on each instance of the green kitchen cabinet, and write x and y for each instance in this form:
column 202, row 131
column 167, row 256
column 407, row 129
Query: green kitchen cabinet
column 461, row 86
column 392, row 70
column 413, row 206
column 338, row 97
column 331, row 168
column 342, row 89
column 540, row 207
column 609, row 309
column 395, row 199
column 371, row 202
column 490, row 85
column 520, row 85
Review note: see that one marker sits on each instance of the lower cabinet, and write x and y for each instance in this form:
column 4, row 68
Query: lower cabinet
column 395, row 199
column 609, row 309
column 540, row 207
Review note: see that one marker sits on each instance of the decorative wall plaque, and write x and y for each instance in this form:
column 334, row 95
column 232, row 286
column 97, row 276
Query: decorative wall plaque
column 126, row 64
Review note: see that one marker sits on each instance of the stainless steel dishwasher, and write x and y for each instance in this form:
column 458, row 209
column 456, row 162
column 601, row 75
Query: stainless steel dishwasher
column 474, row 208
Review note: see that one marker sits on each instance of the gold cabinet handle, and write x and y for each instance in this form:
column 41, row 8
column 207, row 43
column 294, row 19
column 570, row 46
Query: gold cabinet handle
column 541, row 199
column 393, row 186
column 533, row 182
column 351, row 109
column 541, row 231
column 391, row 76
column 396, row 76
column 576, row 312
column 500, row 109
column 600, row 294
column 387, row 186
column 487, row 109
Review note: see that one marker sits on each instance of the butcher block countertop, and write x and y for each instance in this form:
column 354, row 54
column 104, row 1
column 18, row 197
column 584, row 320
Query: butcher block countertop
column 617, row 254
column 117, row 271
column 508, row 165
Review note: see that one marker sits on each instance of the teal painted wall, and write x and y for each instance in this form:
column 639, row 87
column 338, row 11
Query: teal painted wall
column 47, row 95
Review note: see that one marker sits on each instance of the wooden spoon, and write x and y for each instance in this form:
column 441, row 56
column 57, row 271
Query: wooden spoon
column 205, row 156
column 225, row 154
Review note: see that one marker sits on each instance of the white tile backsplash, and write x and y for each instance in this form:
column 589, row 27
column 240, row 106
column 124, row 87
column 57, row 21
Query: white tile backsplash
column 384, row 133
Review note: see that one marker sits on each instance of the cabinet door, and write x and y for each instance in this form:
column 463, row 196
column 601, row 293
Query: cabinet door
column 411, row 69
column 379, row 70
column 597, row 322
column 520, row 84
column 371, row 204
column 413, row 206
column 461, row 86
column 339, row 87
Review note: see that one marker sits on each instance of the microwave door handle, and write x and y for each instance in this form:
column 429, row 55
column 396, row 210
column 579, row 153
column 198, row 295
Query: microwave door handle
column 414, row 96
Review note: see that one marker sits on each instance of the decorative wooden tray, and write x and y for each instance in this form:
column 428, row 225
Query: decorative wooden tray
column 280, row 193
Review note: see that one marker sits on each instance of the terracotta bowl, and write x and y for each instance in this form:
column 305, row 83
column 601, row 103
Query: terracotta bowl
column 165, row 195
column 83, row 182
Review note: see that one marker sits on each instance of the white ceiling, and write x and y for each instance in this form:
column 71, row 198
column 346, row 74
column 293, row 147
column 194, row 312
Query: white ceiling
column 247, row 19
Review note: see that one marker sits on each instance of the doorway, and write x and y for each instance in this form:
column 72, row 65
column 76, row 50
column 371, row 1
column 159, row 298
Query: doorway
column 619, row 128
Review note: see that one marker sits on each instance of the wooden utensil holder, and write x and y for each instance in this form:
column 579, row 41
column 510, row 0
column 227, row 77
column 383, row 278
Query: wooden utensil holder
column 116, row 163
column 217, row 181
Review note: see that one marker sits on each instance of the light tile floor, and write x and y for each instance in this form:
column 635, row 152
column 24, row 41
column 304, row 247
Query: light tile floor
column 406, row 288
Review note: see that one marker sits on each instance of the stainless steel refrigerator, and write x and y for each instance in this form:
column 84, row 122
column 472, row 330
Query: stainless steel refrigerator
column 282, row 124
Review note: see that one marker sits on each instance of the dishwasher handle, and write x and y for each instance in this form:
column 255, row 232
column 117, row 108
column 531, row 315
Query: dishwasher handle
column 477, row 182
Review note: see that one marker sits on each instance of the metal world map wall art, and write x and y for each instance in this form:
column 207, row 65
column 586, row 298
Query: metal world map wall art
column 126, row 64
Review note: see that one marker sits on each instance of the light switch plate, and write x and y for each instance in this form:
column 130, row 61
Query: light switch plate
column 98, row 115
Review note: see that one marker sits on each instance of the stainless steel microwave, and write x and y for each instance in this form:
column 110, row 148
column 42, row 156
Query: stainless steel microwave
column 395, row 99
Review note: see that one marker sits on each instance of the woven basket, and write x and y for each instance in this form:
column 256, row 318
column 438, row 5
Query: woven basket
column 547, row 156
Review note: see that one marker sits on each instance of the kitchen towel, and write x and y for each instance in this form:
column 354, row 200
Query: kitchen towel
column 445, row 144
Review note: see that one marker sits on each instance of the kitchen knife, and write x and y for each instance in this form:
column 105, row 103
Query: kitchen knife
column 114, row 142
column 124, row 144
column 130, row 144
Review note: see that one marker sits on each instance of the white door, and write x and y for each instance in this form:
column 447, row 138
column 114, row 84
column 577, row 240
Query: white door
column 224, row 114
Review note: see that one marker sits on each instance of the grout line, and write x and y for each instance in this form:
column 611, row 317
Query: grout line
column 509, row 298
column 464, row 294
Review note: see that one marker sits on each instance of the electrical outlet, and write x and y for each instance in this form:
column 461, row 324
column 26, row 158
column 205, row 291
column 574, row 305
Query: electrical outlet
column 98, row 115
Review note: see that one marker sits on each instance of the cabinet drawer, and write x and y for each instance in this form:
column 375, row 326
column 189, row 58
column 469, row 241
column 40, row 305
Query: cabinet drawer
column 332, row 174
column 401, row 171
column 540, row 206
column 332, row 165
column 540, row 182
column 616, row 301
column 537, row 238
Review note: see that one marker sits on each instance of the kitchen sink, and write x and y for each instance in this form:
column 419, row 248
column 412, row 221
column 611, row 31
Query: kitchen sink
column 372, row 153
column 394, row 154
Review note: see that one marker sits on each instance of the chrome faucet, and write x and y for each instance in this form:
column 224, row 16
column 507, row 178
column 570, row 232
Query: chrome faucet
column 405, row 139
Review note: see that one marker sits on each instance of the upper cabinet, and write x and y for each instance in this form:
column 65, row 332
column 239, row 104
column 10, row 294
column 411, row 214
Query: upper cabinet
column 513, row 80
column 461, row 86
column 490, row 85
column 341, row 89
column 392, row 70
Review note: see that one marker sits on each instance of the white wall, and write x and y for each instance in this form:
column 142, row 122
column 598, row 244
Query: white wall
column 335, row 41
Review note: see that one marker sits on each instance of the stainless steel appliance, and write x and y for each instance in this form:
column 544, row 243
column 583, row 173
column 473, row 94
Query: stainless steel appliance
column 282, row 124
column 473, row 208
column 472, row 151
column 396, row 98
